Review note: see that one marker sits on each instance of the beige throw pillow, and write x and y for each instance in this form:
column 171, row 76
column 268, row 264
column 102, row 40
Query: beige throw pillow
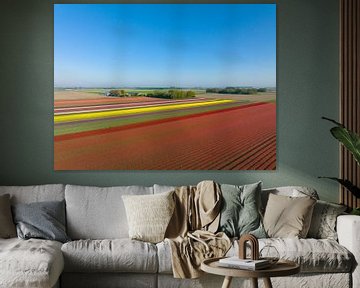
column 7, row 226
column 288, row 217
column 149, row 215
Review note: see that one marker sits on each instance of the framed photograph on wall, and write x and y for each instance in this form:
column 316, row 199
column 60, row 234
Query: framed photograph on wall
column 165, row 86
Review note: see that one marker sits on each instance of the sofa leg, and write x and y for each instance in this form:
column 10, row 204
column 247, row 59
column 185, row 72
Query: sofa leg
column 254, row 282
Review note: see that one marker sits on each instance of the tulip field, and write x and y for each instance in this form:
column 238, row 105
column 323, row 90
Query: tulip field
column 144, row 133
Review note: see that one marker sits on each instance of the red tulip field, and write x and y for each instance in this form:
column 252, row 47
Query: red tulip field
column 143, row 133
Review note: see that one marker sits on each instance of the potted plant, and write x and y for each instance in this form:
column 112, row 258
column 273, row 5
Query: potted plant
column 351, row 141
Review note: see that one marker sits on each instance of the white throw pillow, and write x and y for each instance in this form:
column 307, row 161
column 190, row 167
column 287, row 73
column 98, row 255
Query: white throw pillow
column 149, row 215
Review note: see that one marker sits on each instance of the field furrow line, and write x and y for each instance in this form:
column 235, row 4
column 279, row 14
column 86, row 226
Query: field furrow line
column 109, row 107
column 269, row 158
column 221, row 152
column 255, row 155
column 144, row 116
column 149, row 123
column 246, row 155
column 203, row 157
column 130, row 110
column 100, row 101
column 242, row 146
column 260, row 159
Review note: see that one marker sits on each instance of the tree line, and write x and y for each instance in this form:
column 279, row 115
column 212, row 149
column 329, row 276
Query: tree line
column 165, row 94
column 172, row 94
column 117, row 93
column 234, row 90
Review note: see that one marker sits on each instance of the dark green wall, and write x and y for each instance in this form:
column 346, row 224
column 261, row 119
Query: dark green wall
column 307, row 74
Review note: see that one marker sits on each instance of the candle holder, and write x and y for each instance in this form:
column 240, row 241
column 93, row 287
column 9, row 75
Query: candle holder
column 254, row 246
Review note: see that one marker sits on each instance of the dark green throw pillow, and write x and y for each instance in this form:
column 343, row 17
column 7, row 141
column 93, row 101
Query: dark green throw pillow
column 43, row 220
column 240, row 213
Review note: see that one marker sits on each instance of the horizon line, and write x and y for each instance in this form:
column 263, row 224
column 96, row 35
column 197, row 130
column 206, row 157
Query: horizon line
column 154, row 87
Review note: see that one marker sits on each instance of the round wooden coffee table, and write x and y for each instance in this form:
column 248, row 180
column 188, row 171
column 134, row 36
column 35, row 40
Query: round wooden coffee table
column 281, row 268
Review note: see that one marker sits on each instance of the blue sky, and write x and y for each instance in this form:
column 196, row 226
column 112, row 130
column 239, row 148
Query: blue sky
column 182, row 45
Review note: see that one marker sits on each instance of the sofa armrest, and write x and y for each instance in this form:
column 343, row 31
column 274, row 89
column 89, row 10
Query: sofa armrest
column 348, row 230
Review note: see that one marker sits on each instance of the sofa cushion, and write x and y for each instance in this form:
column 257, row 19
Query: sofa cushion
column 313, row 255
column 30, row 263
column 164, row 257
column 98, row 213
column 163, row 188
column 117, row 255
column 7, row 226
column 109, row 280
column 37, row 193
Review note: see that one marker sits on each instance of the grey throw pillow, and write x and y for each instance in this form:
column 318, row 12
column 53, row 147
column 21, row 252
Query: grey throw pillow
column 323, row 222
column 240, row 213
column 44, row 220
column 7, row 227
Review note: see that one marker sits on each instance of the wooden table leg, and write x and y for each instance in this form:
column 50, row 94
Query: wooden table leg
column 254, row 282
column 227, row 282
column 267, row 283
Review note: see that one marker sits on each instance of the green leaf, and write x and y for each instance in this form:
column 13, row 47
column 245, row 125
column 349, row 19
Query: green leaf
column 355, row 211
column 347, row 184
column 333, row 121
column 348, row 138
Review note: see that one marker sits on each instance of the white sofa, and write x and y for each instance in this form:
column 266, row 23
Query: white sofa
column 101, row 255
